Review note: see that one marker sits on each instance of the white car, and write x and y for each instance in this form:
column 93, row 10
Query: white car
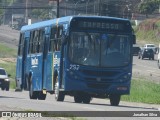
column 4, row 80
column 150, row 46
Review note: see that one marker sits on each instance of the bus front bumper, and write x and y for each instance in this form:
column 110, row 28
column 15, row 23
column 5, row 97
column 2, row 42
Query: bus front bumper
column 98, row 87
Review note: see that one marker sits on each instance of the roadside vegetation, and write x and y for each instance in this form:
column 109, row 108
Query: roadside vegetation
column 143, row 91
column 7, row 52
column 148, row 31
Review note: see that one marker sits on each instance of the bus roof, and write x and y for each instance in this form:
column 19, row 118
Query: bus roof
column 62, row 20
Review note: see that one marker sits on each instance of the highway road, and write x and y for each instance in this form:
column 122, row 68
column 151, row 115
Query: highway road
column 19, row 101
column 146, row 69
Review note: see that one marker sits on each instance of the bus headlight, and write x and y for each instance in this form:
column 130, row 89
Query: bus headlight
column 125, row 77
column 73, row 75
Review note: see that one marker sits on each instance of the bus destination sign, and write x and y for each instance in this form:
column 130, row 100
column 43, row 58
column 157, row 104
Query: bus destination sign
column 100, row 25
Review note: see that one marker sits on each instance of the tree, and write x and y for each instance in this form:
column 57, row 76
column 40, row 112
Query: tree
column 148, row 6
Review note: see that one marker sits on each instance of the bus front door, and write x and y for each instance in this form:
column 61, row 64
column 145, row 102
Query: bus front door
column 24, row 60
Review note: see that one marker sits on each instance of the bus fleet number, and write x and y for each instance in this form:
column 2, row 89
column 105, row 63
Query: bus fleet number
column 74, row 67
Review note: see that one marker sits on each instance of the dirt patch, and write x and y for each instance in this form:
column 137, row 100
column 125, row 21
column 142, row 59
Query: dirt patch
column 4, row 60
column 149, row 24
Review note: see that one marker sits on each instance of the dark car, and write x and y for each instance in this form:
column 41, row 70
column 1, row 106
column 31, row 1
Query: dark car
column 146, row 53
column 4, row 80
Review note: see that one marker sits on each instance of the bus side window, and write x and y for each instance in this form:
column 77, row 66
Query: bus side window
column 59, row 37
column 21, row 44
column 35, row 42
column 53, row 42
column 31, row 43
column 41, row 40
column 38, row 41
column 55, row 38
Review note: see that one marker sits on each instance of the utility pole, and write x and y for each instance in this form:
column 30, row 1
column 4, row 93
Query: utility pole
column 26, row 14
column 86, row 7
column 99, row 7
column 57, row 8
column 4, row 14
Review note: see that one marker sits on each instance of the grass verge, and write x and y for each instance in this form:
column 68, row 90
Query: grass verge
column 7, row 52
column 143, row 91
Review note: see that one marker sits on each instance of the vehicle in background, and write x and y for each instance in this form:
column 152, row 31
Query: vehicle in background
column 135, row 49
column 146, row 53
column 150, row 46
column 4, row 80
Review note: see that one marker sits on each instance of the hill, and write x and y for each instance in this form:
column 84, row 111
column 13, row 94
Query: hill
column 148, row 31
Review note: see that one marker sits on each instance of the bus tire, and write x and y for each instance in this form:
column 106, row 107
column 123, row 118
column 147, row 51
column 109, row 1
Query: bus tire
column 114, row 99
column 59, row 95
column 77, row 98
column 32, row 94
column 2, row 88
column 86, row 99
column 41, row 96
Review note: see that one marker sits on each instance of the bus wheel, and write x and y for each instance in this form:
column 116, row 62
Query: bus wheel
column 86, row 99
column 114, row 99
column 41, row 96
column 2, row 88
column 77, row 98
column 59, row 95
column 32, row 94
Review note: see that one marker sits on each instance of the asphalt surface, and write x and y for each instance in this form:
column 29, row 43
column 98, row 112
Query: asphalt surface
column 146, row 69
column 19, row 101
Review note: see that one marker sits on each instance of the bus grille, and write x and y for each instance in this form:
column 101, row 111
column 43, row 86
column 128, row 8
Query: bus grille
column 101, row 80
column 100, row 73
column 98, row 86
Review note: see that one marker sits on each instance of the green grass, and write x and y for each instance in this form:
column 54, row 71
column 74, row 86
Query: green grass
column 147, row 34
column 143, row 91
column 7, row 52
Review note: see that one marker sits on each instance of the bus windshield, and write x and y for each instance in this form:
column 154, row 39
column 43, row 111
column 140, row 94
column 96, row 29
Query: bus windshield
column 99, row 49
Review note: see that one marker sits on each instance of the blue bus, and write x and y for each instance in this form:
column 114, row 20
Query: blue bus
column 80, row 56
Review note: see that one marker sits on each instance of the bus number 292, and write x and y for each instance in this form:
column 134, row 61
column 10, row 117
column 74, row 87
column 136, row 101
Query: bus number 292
column 74, row 67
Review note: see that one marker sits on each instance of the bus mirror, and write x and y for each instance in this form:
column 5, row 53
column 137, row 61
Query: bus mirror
column 134, row 39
